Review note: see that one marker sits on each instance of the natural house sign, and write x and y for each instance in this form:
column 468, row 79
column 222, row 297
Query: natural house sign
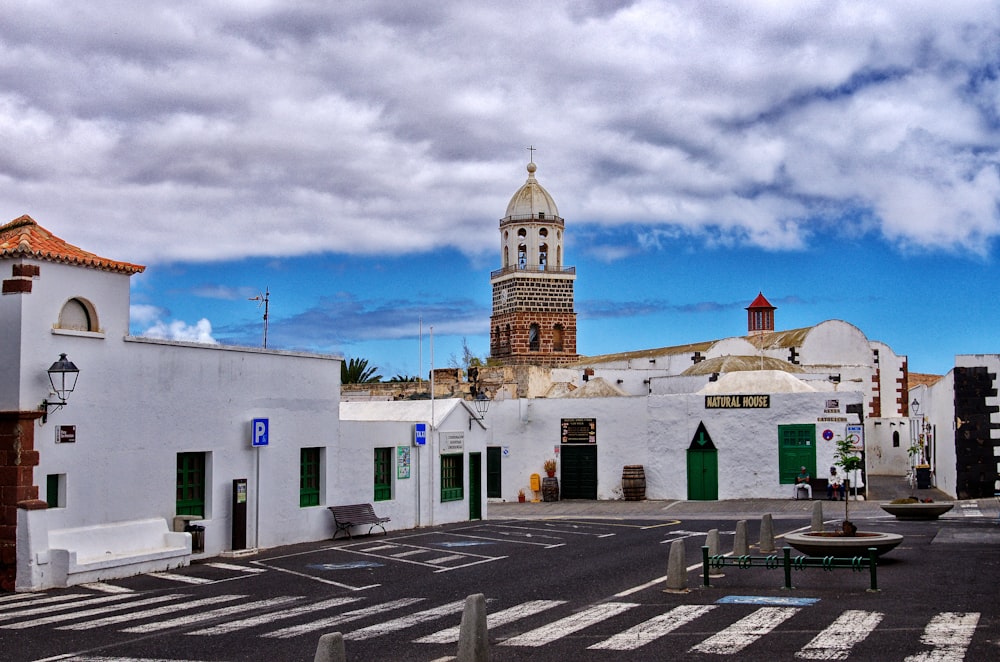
column 737, row 401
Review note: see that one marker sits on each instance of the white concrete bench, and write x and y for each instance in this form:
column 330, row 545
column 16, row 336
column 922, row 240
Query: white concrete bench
column 115, row 550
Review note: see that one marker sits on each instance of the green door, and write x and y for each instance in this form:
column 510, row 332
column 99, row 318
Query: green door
column 579, row 471
column 494, row 487
column 475, row 486
column 703, row 474
column 796, row 449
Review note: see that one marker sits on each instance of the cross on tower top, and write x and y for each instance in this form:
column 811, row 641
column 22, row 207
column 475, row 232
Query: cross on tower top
column 531, row 152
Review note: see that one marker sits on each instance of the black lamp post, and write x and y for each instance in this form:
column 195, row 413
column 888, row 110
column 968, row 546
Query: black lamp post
column 62, row 377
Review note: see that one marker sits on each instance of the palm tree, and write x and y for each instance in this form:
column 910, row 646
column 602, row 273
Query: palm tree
column 357, row 371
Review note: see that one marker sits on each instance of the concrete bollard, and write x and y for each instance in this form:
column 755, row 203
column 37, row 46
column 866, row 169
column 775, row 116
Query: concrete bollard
column 712, row 542
column 767, row 534
column 331, row 648
column 473, row 637
column 676, row 569
column 740, row 545
column 817, row 520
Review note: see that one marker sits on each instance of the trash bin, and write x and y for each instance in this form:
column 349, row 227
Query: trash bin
column 923, row 476
column 197, row 532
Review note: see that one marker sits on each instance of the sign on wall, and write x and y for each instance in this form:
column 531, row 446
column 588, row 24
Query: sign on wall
column 452, row 442
column 402, row 461
column 579, row 431
column 737, row 401
column 856, row 435
column 419, row 434
column 66, row 434
column 259, row 432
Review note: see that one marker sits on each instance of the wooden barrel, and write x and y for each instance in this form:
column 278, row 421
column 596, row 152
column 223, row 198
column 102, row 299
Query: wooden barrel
column 550, row 489
column 634, row 482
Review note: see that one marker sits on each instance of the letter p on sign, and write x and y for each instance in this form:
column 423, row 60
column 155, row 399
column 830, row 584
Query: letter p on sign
column 259, row 435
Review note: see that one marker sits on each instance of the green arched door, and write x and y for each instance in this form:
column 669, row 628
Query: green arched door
column 702, row 467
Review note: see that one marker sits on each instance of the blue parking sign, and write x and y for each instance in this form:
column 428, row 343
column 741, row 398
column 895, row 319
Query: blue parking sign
column 258, row 432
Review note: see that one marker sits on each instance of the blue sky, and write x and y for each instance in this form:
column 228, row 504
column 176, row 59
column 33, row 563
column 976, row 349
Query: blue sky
column 355, row 157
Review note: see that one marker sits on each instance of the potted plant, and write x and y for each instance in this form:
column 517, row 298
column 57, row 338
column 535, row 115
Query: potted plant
column 550, row 468
column 520, row 496
column 848, row 542
column 848, row 460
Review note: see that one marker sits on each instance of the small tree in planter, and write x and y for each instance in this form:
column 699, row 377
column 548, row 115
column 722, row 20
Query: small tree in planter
column 848, row 460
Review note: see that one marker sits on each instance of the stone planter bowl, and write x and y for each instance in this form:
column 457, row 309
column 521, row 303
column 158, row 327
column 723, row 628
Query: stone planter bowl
column 830, row 543
column 916, row 510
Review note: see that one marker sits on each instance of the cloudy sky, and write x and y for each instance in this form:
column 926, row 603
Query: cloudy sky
column 353, row 159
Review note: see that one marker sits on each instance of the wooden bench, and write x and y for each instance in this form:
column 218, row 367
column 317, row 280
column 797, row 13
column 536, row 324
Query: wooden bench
column 358, row 514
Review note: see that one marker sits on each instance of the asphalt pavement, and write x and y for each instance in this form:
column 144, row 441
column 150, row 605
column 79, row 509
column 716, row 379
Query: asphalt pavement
column 880, row 489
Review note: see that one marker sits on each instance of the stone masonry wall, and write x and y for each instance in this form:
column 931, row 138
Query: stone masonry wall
column 18, row 458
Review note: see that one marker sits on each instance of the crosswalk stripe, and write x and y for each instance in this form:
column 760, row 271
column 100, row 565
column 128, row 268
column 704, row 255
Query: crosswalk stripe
column 237, row 568
column 412, row 552
column 949, row 633
column 450, row 635
column 404, row 622
column 653, row 629
column 445, row 559
column 87, row 613
column 570, row 624
column 34, row 599
column 50, row 606
column 346, row 617
column 264, row 619
column 182, row 621
column 745, row 631
column 837, row 640
column 151, row 613
column 184, row 579
column 106, row 588
column 16, row 597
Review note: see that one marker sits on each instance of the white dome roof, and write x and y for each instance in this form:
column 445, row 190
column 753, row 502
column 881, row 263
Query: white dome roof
column 531, row 199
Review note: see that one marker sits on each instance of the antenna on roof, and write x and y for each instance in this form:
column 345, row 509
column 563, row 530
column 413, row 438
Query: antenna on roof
column 264, row 300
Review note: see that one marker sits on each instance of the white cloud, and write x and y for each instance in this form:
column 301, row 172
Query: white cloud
column 215, row 132
column 200, row 331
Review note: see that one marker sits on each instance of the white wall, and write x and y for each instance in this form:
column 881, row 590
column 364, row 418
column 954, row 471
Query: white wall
column 138, row 403
column 656, row 432
column 416, row 501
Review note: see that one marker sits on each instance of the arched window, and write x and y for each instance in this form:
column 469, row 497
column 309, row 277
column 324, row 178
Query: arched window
column 543, row 255
column 544, row 232
column 522, row 256
column 557, row 338
column 534, row 338
column 895, row 438
column 78, row 315
column 506, row 255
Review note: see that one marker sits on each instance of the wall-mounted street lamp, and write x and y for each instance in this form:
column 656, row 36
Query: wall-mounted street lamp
column 915, row 406
column 62, row 377
column 480, row 400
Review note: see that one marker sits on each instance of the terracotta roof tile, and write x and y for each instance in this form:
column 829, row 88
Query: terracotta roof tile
column 23, row 237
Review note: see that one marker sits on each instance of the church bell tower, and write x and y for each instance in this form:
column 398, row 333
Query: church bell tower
column 533, row 320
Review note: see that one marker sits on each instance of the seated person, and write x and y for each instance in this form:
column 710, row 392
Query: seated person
column 835, row 483
column 802, row 481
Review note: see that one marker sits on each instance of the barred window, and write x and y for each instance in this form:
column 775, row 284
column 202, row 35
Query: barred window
column 451, row 477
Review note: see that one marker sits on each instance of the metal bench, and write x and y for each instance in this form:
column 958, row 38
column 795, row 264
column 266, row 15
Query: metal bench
column 358, row 514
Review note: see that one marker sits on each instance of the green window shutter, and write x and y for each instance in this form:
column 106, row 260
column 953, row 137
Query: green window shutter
column 309, row 470
column 191, row 484
column 451, row 478
column 383, row 474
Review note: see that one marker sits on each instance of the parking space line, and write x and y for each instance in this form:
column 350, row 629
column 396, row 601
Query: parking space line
column 507, row 540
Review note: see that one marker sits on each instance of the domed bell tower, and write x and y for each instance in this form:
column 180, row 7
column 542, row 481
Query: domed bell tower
column 533, row 319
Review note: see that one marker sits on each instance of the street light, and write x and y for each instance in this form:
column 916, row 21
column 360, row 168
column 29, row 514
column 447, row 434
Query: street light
column 62, row 377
